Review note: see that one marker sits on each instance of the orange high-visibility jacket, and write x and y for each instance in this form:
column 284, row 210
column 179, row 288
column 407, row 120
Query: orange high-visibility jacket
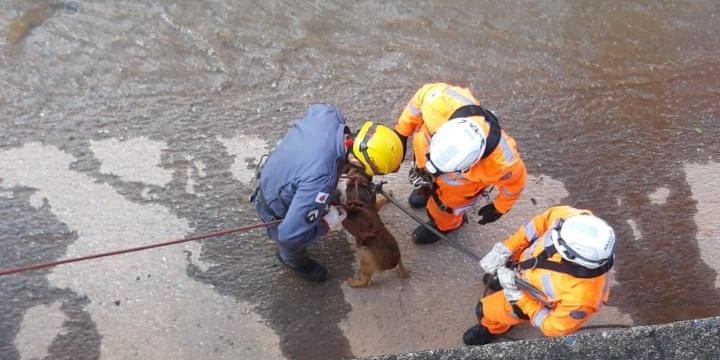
column 574, row 299
column 430, row 107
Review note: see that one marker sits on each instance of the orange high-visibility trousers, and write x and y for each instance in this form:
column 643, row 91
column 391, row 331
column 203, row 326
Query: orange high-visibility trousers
column 458, row 195
column 498, row 315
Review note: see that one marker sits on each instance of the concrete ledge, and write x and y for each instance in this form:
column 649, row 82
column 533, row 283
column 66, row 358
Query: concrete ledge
column 692, row 339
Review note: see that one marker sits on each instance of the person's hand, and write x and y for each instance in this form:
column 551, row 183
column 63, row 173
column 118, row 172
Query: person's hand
column 496, row 258
column 340, row 191
column 488, row 214
column 506, row 277
column 335, row 217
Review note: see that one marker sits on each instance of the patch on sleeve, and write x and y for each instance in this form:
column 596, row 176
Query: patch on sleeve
column 577, row 314
column 321, row 197
column 312, row 215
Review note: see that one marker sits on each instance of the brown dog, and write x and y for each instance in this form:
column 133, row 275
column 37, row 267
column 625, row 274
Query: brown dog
column 377, row 249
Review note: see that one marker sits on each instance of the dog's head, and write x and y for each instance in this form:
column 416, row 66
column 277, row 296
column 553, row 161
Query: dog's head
column 354, row 187
column 359, row 200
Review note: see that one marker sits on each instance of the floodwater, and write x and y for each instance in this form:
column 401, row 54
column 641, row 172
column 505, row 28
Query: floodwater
column 615, row 101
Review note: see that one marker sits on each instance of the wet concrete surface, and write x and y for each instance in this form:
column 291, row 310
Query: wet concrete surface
column 614, row 107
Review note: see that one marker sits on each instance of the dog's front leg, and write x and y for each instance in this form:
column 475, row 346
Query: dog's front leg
column 366, row 266
column 359, row 280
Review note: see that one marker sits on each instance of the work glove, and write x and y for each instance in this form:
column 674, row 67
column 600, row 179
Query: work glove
column 496, row 258
column 506, row 277
column 335, row 217
column 340, row 193
column 419, row 177
column 488, row 214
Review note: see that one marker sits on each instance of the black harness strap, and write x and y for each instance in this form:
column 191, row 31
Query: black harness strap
column 441, row 204
column 541, row 261
column 364, row 148
column 493, row 138
column 519, row 313
column 436, row 197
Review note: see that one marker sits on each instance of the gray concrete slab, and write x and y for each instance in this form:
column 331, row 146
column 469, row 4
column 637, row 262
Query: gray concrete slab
column 695, row 339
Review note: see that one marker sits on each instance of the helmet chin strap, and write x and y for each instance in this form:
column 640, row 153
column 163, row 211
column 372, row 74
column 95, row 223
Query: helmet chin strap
column 430, row 166
column 354, row 161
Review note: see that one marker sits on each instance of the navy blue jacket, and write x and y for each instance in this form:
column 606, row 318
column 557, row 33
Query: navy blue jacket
column 301, row 174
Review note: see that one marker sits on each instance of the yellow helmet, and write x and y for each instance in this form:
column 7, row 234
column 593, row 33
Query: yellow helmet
column 378, row 148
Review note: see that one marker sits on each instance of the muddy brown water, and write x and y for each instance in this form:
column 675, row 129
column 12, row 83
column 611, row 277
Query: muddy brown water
column 612, row 98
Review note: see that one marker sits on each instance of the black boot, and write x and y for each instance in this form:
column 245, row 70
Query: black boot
column 422, row 235
column 477, row 335
column 419, row 197
column 311, row 271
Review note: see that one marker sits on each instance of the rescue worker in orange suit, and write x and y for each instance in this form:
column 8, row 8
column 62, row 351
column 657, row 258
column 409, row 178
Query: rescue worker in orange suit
column 552, row 273
column 460, row 150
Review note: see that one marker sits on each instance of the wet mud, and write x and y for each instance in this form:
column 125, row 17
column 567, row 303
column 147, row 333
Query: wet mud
column 643, row 114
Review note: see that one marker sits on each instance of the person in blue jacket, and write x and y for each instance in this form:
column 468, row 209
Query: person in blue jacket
column 301, row 174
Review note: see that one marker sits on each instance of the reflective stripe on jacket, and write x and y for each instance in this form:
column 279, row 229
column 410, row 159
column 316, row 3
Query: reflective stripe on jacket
column 574, row 299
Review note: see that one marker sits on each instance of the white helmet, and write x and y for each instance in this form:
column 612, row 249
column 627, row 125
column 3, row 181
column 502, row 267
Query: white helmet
column 585, row 240
column 456, row 146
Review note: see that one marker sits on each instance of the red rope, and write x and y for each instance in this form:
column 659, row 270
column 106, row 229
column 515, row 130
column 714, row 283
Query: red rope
column 139, row 248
